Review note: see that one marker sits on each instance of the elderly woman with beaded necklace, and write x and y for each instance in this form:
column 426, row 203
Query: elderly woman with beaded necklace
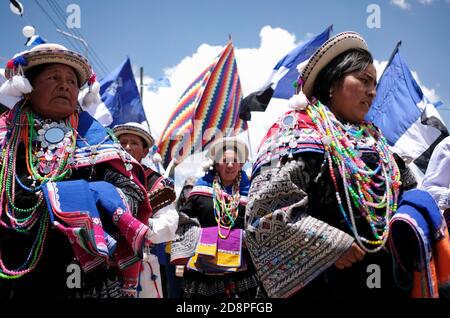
column 325, row 185
column 73, row 212
column 219, row 266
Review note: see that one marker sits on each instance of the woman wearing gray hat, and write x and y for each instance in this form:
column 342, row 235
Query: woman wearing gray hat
column 210, row 236
column 325, row 185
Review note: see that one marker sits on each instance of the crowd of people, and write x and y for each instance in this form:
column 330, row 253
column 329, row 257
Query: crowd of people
column 329, row 211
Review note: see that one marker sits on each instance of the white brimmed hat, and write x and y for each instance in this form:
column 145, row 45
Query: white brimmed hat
column 326, row 53
column 135, row 129
column 228, row 143
column 49, row 53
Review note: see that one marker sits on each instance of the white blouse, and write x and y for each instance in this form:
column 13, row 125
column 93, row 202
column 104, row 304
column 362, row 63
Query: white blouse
column 437, row 177
column 163, row 225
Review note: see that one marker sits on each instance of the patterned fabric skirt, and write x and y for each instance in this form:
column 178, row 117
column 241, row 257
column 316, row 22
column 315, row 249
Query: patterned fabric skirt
column 234, row 285
column 107, row 286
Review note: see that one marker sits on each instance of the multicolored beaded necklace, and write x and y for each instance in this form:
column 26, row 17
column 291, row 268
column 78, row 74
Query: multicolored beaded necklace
column 49, row 148
column 361, row 183
column 226, row 207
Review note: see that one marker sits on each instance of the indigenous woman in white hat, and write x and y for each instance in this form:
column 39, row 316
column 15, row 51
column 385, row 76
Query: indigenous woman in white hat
column 437, row 177
column 325, row 185
column 218, row 264
column 73, row 211
column 137, row 141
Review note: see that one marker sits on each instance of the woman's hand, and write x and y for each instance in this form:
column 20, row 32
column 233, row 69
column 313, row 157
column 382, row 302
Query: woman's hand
column 352, row 255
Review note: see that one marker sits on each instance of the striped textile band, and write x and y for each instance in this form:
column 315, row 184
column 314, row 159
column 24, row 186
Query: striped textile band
column 210, row 103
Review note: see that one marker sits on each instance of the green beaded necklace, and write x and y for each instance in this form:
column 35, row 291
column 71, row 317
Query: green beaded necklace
column 23, row 132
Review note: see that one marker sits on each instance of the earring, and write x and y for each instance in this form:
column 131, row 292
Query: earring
column 331, row 94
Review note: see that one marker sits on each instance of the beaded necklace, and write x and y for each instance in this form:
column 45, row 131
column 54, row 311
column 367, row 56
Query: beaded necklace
column 226, row 207
column 360, row 183
column 49, row 148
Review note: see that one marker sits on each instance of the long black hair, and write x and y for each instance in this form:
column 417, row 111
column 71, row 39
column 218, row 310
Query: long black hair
column 353, row 60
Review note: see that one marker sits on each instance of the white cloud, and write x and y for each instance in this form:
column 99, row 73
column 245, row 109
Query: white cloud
column 426, row 2
column 254, row 65
column 401, row 4
column 430, row 93
column 159, row 104
column 379, row 66
column 404, row 5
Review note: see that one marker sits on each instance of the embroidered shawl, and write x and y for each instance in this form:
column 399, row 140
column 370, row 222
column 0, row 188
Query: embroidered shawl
column 96, row 221
column 288, row 247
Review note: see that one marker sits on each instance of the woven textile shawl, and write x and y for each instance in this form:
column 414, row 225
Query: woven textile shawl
column 96, row 221
column 288, row 248
column 216, row 255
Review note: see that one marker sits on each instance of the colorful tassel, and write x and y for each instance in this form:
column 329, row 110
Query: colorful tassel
column 20, row 60
column 10, row 64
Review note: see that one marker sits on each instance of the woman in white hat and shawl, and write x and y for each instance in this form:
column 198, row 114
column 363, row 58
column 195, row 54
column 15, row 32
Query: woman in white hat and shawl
column 210, row 236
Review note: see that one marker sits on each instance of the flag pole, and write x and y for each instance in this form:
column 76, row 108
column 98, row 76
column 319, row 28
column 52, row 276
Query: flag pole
column 249, row 143
column 169, row 169
column 142, row 83
column 141, row 93
column 399, row 43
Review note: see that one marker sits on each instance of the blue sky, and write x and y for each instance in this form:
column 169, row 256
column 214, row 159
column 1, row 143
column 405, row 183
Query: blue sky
column 157, row 34
column 179, row 38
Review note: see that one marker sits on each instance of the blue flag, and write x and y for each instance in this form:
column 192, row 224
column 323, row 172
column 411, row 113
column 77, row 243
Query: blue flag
column 120, row 94
column 283, row 77
column 35, row 40
column 285, row 72
column 160, row 82
column 408, row 120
